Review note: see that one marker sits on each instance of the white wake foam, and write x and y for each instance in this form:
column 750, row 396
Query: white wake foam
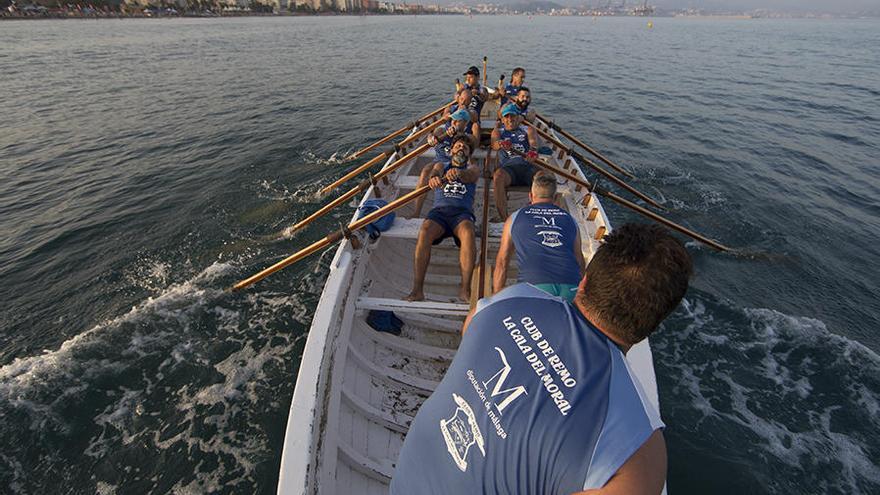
column 809, row 396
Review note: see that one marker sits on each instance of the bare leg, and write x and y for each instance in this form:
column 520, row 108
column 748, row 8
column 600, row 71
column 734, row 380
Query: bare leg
column 423, row 181
column 466, row 255
column 500, row 181
column 429, row 232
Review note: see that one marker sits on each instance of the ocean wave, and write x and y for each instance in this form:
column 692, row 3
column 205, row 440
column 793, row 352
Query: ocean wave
column 781, row 388
column 188, row 370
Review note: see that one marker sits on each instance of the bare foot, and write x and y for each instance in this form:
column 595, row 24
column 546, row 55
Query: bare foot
column 464, row 294
column 415, row 296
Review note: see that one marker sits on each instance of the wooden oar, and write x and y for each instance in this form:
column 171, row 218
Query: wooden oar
column 485, row 72
column 484, row 234
column 580, row 143
column 628, row 204
column 382, row 156
column 407, row 127
column 358, row 188
column 333, row 237
column 613, row 178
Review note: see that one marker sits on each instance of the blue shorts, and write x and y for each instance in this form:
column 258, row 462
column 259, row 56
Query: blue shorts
column 449, row 217
column 520, row 171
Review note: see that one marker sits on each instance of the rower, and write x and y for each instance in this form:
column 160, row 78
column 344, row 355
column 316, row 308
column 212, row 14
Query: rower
column 463, row 99
column 539, row 397
column 510, row 90
column 546, row 241
column 523, row 99
column 514, row 169
column 451, row 216
column 441, row 139
column 479, row 94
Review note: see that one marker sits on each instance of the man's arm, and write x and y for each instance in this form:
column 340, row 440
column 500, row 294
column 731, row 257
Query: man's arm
column 533, row 137
column 644, row 473
column 496, row 138
column 470, row 175
column 502, row 260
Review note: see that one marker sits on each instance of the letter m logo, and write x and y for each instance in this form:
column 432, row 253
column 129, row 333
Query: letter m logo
column 548, row 221
column 508, row 395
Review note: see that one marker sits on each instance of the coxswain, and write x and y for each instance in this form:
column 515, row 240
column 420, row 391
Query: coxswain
column 539, row 397
column 479, row 94
column 452, row 216
column 441, row 139
column 510, row 139
column 546, row 241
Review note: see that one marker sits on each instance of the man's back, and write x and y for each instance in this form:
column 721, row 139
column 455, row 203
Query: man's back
column 544, row 236
column 536, row 401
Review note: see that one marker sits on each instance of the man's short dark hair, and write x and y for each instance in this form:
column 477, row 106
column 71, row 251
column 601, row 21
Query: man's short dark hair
column 467, row 141
column 523, row 88
column 635, row 279
column 518, row 70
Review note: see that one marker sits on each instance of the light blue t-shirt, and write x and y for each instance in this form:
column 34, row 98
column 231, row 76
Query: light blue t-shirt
column 536, row 401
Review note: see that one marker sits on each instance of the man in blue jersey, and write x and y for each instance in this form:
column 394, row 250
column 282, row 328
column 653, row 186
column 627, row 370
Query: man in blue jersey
column 511, row 139
column 539, row 398
column 441, row 139
column 523, row 99
column 454, row 187
column 479, row 94
column 546, row 242
column 510, row 90
column 463, row 100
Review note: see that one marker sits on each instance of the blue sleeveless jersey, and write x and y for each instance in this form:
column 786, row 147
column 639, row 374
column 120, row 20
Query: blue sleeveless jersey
column 476, row 104
column 536, row 401
column 455, row 194
column 520, row 140
column 510, row 92
column 544, row 235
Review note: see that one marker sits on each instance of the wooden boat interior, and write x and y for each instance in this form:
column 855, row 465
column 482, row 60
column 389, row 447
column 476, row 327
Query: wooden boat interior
column 359, row 389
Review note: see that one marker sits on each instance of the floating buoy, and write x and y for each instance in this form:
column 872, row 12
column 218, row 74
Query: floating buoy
column 650, row 24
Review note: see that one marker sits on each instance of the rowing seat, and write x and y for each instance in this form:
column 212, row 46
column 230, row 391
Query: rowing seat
column 401, row 306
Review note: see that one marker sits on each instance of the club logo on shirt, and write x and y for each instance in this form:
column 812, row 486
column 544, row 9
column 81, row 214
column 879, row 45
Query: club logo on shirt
column 461, row 432
column 551, row 238
column 454, row 190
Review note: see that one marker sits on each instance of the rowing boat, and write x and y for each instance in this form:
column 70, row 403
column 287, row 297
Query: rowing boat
column 358, row 389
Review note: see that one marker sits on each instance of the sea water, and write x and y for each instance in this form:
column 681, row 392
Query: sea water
column 144, row 162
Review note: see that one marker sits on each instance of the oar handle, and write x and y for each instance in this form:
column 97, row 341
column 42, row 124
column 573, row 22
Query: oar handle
column 586, row 161
column 583, row 145
column 332, row 237
column 485, row 71
column 628, row 204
